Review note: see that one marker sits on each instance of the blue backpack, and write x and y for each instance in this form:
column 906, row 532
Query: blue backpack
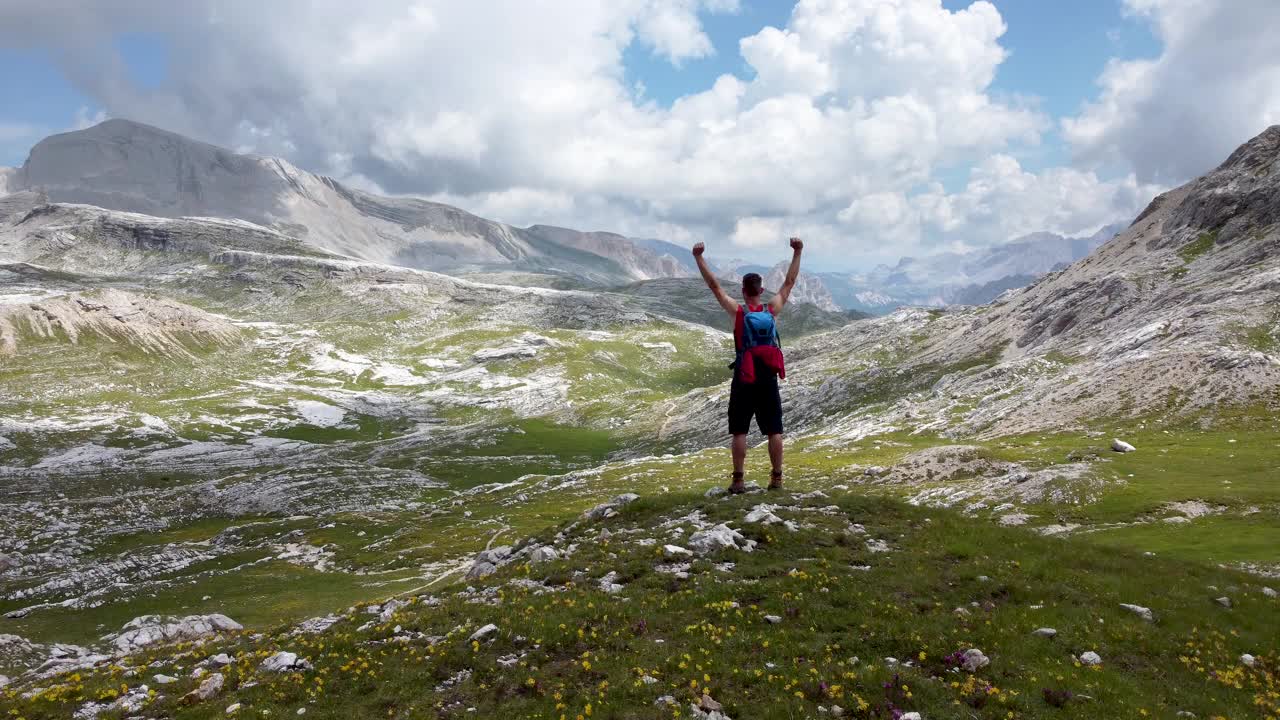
column 759, row 328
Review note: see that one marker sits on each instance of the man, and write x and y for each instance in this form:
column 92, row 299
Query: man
column 754, row 390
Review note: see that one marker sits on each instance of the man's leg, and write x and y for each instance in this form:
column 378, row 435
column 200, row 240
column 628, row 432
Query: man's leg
column 739, row 452
column 775, row 451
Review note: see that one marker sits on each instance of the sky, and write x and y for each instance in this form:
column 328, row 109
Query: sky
column 872, row 128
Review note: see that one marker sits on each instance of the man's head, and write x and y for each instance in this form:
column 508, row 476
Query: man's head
column 752, row 286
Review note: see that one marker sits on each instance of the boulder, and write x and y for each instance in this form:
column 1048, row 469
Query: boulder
column 763, row 514
column 1248, row 660
column 1144, row 613
column 546, row 553
column 484, row 633
column 481, row 569
column 1121, row 446
column 974, row 660
column 284, row 662
column 674, row 551
column 1269, row 592
column 720, row 537
column 209, row 688
column 1090, row 658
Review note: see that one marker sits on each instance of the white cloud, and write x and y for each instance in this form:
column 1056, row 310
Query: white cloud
column 838, row 129
column 1215, row 84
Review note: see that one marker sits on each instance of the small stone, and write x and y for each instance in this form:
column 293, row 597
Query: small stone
column 773, row 619
column 974, row 660
column 675, row 551
column 910, row 716
column 1224, row 601
column 233, row 708
column 221, row 659
column 1144, row 613
column 665, row 700
column 302, row 711
column 1090, row 658
column 484, row 632
column 1247, row 660
column 708, row 704
column 1269, row 592
column 648, row 679
column 4, row 681
column 1121, row 446
column 1046, row 633
column 159, row 680
column 481, row 569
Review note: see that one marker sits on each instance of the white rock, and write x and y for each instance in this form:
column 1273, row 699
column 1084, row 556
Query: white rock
column 910, row 716
column 974, row 660
column 4, row 681
column 773, row 619
column 284, row 662
column 1121, row 446
column 675, row 551
column 221, row 660
column 211, row 686
column 1090, row 658
column 1247, row 660
column 763, row 514
column 481, row 569
column 720, row 537
column 1046, row 632
column 1224, row 601
column 1144, row 613
column 164, row 679
column 1269, row 592
column 484, row 632
column 389, row 609
column 233, row 708
column 648, row 679
column 545, row 553
column 150, row 629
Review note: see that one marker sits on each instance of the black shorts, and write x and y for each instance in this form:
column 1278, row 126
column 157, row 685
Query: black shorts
column 761, row 399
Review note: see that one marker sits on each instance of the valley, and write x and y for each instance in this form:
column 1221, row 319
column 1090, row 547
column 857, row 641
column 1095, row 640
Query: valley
column 366, row 463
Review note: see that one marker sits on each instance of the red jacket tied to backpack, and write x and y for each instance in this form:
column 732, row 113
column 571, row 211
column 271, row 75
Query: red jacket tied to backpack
column 755, row 334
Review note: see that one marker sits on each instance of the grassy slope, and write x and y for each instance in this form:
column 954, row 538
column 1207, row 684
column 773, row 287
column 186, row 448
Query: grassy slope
column 582, row 652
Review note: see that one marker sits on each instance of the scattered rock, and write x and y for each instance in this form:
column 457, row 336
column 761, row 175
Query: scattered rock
column 211, row 686
column 4, row 681
column 1269, row 592
column 673, row 551
column 910, row 716
column 221, row 660
column 233, row 708
column 1090, row 658
column 481, row 569
column 773, row 619
column 1144, row 613
column 708, row 704
column 389, row 609
column 665, row 700
column 1046, row 633
column 607, row 583
column 1121, row 446
column 609, row 509
column 483, row 633
column 1248, row 660
column 720, row 537
column 284, row 662
column 974, row 660
column 546, row 553
column 160, row 679
column 1224, row 601
column 763, row 514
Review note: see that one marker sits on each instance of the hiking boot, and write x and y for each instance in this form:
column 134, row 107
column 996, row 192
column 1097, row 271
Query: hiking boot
column 737, row 487
column 775, row 480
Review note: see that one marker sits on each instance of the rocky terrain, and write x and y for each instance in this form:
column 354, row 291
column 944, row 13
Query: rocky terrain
column 239, row 462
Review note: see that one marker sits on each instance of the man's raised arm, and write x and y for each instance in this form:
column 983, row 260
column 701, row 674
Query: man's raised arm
column 729, row 304
column 793, row 273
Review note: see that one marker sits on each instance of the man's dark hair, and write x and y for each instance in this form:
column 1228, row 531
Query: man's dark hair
column 752, row 284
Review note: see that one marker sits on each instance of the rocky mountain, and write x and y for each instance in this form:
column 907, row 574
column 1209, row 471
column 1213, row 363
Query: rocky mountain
column 809, row 287
column 1175, row 316
column 127, row 166
column 971, row 278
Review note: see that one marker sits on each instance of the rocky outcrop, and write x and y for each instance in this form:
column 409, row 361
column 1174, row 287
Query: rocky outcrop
column 153, row 325
column 151, row 629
